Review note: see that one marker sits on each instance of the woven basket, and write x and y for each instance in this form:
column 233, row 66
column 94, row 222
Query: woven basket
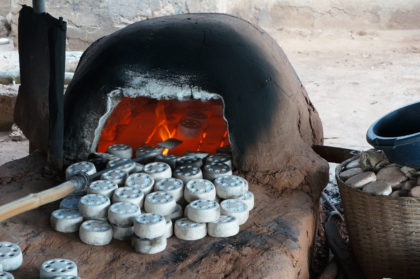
column 384, row 231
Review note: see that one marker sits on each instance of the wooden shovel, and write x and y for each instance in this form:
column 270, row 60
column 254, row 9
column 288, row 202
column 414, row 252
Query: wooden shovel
column 76, row 183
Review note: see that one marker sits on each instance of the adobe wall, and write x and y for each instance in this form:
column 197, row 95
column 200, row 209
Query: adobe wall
column 90, row 19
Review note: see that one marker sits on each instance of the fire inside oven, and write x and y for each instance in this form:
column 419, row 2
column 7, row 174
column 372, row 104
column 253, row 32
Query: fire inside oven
column 144, row 121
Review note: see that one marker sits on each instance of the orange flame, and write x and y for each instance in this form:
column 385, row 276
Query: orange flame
column 143, row 121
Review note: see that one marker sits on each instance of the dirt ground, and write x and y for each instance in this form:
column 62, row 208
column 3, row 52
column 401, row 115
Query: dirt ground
column 353, row 77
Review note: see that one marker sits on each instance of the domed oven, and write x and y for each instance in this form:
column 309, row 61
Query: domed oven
column 219, row 84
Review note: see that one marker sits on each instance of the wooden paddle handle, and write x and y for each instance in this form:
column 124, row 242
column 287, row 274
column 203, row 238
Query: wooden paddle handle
column 33, row 201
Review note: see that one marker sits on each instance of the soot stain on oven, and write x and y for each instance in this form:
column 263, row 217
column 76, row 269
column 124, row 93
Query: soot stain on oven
column 198, row 53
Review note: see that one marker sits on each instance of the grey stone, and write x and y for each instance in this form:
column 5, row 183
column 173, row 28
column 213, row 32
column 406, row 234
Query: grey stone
column 415, row 192
column 407, row 185
column 397, row 187
column 350, row 172
column 379, row 188
column 404, row 193
column 361, row 179
column 409, row 172
column 418, row 180
column 370, row 158
column 395, row 194
column 353, row 164
column 381, row 165
column 391, row 175
column 16, row 134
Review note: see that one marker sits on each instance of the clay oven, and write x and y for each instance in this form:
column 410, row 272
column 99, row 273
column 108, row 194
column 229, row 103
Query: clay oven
column 212, row 64
column 212, row 80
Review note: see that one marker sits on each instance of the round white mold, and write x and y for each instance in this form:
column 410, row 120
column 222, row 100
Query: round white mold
column 176, row 214
column 188, row 172
column 235, row 208
column 190, row 160
column 248, row 199
column 10, row 256
column 94, row 206
column 66, row 220
column 225, row 226
column 149, row 246
column 229, row 186
column 149, row 225
column 189, row 230
column 102, row 187
column 215, row 170
column 220, row 158
column 169, row 229
column 199, row 154
column 95, row 232
column 203, row 211
column 143, row 149
column 87, row 168
column 57, row 267
column 199, row 189
column 141, row 181
column 138, row 167
column 123, row 213
column 170, row 159
column 6, row 275
column 246, row 184
column 128, row 194
column 70, row 202
column 121, row 232
column 128, row 165
column 160, row 202
column 120, row 150
column 189, row 129
column 158, row 170
column 116, row 176
column 173, row 186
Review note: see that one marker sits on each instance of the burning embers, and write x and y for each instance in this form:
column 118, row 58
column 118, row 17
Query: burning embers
column 144, row 121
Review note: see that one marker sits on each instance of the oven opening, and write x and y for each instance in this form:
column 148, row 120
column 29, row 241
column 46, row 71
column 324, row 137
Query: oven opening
column 145, row 121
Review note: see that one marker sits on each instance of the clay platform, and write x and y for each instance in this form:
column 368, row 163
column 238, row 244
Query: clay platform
column 274, row 243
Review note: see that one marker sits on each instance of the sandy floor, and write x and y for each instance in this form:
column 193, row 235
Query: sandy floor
column 352, row 77
column 11, row 150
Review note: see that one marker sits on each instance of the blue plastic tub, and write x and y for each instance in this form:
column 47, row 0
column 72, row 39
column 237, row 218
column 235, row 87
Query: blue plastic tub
column 398, row 135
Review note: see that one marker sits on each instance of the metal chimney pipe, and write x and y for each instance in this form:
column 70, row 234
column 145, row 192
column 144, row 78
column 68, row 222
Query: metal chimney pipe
column 39, row 6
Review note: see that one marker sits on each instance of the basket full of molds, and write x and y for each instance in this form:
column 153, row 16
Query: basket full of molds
column 381, row 201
